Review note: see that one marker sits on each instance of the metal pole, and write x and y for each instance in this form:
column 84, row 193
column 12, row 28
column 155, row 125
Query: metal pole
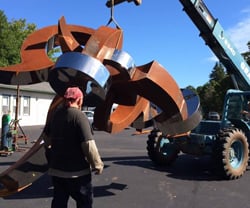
column 16, row 115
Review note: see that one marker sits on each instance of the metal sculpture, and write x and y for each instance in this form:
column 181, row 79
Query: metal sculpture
column 94, row 61
column 94, row 57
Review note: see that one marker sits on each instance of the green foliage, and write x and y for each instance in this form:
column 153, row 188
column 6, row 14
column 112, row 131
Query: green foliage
column 191, row 88
column 246, row 55
column 12, row 35
column 54, row 53
column 213, row 92
column 217, row 73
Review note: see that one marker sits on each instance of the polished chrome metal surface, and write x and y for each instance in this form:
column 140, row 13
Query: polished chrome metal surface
column 123, row 58
column 76, row 69
column 172, row 127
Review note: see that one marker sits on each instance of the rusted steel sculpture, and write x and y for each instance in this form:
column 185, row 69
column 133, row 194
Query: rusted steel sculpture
column 93, row 60
column 95, row 56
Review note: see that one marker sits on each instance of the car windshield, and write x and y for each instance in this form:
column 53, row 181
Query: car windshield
column 88, row 113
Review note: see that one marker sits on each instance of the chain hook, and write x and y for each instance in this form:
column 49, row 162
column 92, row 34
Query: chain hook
column 112, row 19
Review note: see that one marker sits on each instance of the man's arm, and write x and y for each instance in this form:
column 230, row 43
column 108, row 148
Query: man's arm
column 92, row 154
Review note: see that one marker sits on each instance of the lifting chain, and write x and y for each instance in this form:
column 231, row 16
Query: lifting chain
column 112, row 19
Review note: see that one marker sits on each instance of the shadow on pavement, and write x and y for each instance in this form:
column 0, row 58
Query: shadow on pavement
column 42, row 188
column 102, row 191
column 186, row 167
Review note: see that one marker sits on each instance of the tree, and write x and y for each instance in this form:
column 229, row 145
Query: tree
column 12, row 35
column 217, row 73
column 246, row 55
column 213, row 92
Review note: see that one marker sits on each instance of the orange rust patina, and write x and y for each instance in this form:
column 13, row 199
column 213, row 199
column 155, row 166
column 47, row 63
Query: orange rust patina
column 132, row 90
column 150, row 82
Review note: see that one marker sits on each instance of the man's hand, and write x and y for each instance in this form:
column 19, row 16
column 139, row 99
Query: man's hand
column 98, row 171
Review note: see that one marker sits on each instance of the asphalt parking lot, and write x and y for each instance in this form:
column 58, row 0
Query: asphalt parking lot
column 130, row 179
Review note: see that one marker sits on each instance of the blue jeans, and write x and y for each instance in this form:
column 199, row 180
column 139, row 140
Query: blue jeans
column 80, row 189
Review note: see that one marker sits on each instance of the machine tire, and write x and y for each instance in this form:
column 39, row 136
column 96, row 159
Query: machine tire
column 231, row 153
column 160, row 149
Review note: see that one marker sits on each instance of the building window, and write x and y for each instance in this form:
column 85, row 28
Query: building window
column 26, row 106
column 5, row 103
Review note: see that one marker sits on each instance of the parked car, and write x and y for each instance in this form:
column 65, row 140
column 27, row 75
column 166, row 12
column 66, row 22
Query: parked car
column 90, row 115
column 213, row 116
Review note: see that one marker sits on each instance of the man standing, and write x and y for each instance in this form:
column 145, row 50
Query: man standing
column 72, row 153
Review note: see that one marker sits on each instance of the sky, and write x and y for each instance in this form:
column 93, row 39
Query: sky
column 155, row 30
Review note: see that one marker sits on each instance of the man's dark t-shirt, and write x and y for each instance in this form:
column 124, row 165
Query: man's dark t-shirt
column 68, row 128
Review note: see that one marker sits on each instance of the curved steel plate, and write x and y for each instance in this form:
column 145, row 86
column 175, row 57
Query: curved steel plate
column 76, row 69
column 150, row 82
column 23, row 78
column 168, row 127
column 124, row 59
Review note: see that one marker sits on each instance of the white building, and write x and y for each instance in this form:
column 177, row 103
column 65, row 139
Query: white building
column 34, row 101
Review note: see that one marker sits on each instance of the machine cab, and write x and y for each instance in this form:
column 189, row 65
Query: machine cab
column 236, row 110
